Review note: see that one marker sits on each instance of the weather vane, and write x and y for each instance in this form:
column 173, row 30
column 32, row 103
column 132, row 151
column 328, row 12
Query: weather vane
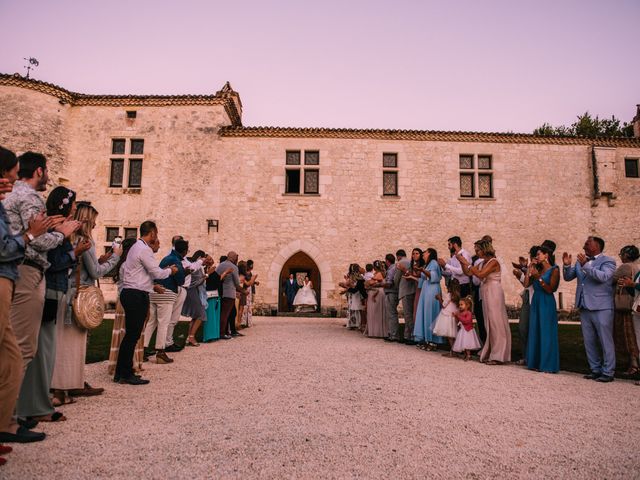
column 32, row 63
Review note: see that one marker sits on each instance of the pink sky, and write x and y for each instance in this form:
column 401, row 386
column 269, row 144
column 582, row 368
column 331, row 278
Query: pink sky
column 465, row 65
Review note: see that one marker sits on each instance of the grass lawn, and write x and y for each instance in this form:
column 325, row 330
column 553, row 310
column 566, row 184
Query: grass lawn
column 572, row 354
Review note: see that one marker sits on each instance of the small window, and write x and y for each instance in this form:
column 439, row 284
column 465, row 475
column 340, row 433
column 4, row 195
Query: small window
column 466, row 185
column 390, row 160
column 631, row 168
column 390, row 183
column 466, row 162
column 112, row 233
column 292, row 181
column 132, row 114
column 293, row 157
column 485, row 189
column 484, row 162
column 137, row 147
column 312, row 157
column 311, row 181
column 117, row 172
column 135, row 173
column 117, row 146
column 130, row 233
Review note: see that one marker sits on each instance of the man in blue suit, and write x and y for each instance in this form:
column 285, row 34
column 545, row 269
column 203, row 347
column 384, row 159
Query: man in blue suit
column 290, row 288
column 594, row 298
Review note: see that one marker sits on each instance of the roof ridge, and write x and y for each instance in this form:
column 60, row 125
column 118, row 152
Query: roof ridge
column 223, row 97
column 424, row 135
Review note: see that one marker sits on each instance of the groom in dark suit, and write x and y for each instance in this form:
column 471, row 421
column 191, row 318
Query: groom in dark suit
column 290, row 288
column 594, row 297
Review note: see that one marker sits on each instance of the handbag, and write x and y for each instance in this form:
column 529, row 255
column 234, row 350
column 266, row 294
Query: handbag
column 88, row 304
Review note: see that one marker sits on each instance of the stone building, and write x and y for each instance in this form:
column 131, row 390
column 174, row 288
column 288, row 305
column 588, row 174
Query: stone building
column 317, row 199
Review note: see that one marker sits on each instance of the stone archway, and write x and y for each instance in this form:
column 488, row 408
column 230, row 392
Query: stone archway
column 286, row 252
column 299, row 264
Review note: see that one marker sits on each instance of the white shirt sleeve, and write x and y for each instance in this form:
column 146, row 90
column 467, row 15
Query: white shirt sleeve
column 150, row 264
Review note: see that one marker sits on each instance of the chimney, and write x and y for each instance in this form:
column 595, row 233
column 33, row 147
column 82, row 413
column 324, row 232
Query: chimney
column 636, row 123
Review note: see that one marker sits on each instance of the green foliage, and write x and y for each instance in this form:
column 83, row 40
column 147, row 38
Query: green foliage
column 588, row 126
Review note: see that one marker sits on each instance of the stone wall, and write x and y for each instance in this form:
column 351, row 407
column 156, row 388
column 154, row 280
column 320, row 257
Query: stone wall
column 35, row 121
column 191, row 174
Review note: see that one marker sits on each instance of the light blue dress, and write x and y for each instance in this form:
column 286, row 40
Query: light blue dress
column 428, row 307
column 211, row 328
column 543, row 352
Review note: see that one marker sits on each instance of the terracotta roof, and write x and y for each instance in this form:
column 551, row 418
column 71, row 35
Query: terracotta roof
column 225, row 96
column 423, row 135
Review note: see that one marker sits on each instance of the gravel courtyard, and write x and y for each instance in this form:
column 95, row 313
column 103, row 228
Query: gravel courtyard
column 305, row 398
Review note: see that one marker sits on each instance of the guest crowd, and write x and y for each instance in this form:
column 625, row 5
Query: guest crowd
column 48, row 257
column 607, row 298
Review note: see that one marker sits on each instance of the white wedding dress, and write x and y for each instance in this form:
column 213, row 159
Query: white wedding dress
column 305, row 300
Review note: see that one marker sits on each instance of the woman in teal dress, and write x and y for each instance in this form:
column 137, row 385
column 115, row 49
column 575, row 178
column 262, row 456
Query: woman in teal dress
column 543, row 353
column 428, row 307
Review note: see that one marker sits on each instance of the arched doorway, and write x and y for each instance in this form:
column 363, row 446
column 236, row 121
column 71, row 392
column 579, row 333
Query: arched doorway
column 299, row 264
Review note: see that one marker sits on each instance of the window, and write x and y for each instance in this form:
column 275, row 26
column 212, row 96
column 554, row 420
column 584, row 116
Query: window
column 135, row 173
column 390, row 174
column 132, row 114
column 128, row 166
column 631, row 168
column 117, row 146
column 117, row 172
column 297, row 176
column 112, row 233
column 476, row 176
column 311, row 181
column 130, row 233
column 292, row 181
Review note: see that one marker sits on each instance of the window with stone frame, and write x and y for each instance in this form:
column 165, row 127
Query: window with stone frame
column 476, row 176
column 302, row 179
column 130, row 233
column 126, row 162
column 390, row 174
column 631, row 168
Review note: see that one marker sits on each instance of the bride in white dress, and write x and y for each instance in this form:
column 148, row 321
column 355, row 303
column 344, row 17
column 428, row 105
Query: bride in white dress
column 305, row 300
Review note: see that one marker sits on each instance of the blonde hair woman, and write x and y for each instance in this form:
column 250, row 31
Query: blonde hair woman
column 71, row 341
column 497, row 348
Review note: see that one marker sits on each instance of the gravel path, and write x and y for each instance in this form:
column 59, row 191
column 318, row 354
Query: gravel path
column 305, row 398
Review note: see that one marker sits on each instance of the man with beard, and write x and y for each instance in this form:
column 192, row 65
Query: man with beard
column 451, row 268
column 22, row 204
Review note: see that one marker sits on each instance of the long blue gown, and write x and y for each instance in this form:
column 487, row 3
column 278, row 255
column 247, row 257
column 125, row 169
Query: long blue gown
column 428, row 307
column 543, row 352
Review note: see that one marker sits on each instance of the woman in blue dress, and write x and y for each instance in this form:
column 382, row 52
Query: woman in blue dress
column 428, row 307
column 543, row 353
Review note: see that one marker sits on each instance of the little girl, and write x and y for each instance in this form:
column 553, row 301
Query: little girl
column 467, row 338
column 446, row 324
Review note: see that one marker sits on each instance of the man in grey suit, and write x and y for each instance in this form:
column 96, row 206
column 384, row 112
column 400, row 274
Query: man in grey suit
column 594, row 298
column 406, row 294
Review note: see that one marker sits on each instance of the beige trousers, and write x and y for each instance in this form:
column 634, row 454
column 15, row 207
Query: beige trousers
column 26, row 311
column 10, row 358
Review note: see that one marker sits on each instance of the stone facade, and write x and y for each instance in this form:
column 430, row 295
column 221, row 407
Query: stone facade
column 200, row 164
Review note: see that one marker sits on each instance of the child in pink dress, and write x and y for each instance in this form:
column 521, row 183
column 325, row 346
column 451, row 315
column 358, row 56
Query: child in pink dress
column 467, row 338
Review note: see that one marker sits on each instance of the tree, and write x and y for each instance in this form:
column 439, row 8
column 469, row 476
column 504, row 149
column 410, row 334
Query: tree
column 587, row 126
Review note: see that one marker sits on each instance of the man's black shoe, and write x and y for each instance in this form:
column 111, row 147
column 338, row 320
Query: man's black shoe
column 226, row 337
column 27, row 423
column 592, row 376
column 22, row 435
column 133, row 380
column 604, row 379
column 237, row 334
column 410, row 342
column 116, row 377
column 173, row 348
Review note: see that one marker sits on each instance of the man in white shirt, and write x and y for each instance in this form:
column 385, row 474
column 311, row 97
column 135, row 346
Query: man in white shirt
column 451, row 268
column 138, row 273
